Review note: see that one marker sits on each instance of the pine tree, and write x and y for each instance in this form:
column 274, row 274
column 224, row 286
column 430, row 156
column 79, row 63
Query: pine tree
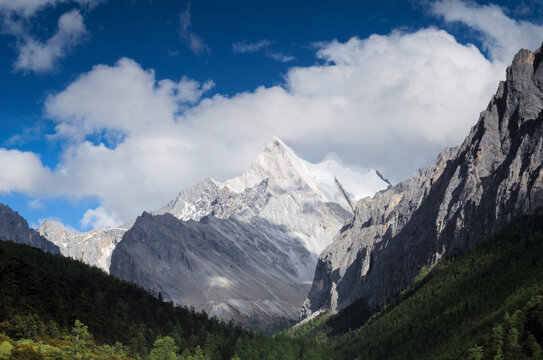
column 80, row 340
column 164, row 348
column 476, row 353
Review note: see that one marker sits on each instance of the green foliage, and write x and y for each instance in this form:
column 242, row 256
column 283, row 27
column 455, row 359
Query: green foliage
column 194, row 354
column 80, row 341
column 459, row 309
column 424, row 271
column 5, row 349
column 164, row 349
column 65, row 309
column 25, row 352
column 518, row 336
column 317, row 328
column 476, row 353
column 451, row 309
column 76, row 345
column 280, row 347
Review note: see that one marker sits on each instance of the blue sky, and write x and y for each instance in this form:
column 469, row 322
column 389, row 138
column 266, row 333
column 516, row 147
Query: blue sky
column 109, row 108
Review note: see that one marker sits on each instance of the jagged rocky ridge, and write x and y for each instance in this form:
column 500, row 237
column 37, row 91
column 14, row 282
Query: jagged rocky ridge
column 262, row 233
column 211, row 197
column 472, row 190
column 245, row 249
column 94, row 247
column 13, row 227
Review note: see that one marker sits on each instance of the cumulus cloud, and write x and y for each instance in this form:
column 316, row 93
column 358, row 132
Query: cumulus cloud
column 42, row 56
column 120, row 99
column 502, row 36
column 99, row 218
column 245, row 47
column 195, row 43
column 133, row 141
column 22, row 172
column 123, row 136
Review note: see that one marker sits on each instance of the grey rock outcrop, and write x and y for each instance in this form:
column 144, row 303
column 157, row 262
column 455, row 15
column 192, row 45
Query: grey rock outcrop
column 495, row 175
column 227, row 267
column 94, row 247
column 13, row 227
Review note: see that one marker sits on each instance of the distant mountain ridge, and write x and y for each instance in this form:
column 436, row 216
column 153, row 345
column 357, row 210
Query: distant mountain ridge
column 495, row 175
column 94, row 247
column 13, row 227
column 247, row 253
column 272, row 220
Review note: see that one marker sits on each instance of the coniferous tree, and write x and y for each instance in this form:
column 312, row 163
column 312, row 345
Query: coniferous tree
column 164, row 348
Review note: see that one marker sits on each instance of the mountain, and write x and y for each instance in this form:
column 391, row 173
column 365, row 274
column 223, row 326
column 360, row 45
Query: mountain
column 480, row 304
column 227, row 267
column 243, row 249
column 495, row 175
column 13, row 227
column 93, row 247
column 277, row 185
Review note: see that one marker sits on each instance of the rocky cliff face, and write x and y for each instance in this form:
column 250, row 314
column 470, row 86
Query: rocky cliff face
column 94, row 247
column 14, row 228
column 496, row 174
column 227, row 267
column 247, row 248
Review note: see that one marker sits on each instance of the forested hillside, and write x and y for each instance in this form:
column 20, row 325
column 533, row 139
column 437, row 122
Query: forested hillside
column 485, row 304
column 55, row 307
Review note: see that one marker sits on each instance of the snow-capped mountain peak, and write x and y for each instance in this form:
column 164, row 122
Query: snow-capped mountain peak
column 262, row 231
column 277, row 161
column 331, row 181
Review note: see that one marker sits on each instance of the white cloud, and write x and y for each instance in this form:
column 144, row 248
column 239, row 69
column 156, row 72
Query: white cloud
column 28, row 8
column 31, row 133
column 42, row 56
column 99, row 218
column 243, row 47
column 36, row 204
column 502, row 36
column 120, row 100
column 147, row 155
column 195, row 43
column 277, row 56
column 25, row 8
column 134, row 141
column 22, row 172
